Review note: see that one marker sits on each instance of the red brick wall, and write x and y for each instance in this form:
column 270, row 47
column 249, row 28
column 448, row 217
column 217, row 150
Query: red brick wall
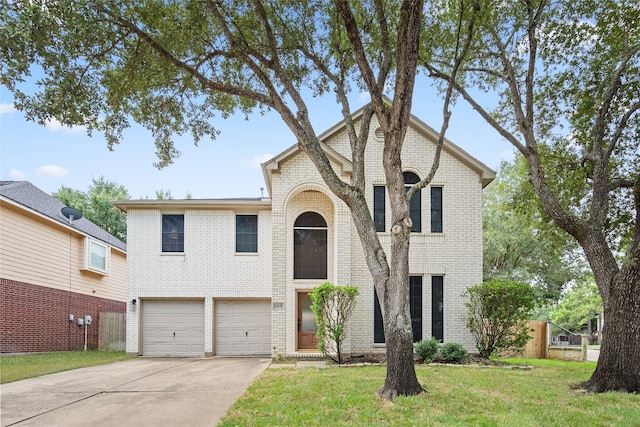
column 36, row 318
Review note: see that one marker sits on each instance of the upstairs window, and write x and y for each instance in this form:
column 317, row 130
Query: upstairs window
column 379, row 207
column 436, row 209
column 310, row 247
column 172, row 233
column 247, row 233
column 415, row 204
column 96, row 256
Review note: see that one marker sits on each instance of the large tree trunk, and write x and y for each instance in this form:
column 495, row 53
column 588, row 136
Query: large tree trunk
column 618, row 367
column 392, row 287
column 401, row 374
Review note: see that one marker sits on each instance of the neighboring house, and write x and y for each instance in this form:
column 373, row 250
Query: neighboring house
column 233, row 276
column 52, row 268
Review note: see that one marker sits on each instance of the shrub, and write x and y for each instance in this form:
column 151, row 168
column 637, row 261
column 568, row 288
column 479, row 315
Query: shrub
column 332, row 306
column 427, row 349
column 498, row 313
column 453, row 352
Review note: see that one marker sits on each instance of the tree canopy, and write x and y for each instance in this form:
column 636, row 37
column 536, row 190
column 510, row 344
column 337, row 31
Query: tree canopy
column 568, row 77
column 96, row 206
column 521, row 243
column 578, row 305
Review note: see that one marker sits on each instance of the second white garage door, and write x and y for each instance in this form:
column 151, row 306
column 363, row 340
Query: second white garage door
column 173, row 328
column 242, row 328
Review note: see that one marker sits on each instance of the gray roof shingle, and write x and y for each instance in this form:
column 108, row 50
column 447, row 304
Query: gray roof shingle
column 31, row 197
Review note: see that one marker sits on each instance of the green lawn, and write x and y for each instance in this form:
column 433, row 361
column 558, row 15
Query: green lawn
column 14, row 368
column 459, row 396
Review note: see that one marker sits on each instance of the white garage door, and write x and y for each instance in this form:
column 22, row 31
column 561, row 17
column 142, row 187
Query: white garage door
column 243, row 328
column 173, row 328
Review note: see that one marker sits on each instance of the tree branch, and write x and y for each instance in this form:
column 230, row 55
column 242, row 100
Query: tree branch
column 446, row 114
column 351, row 27
column 202, row 79
column 620, row 128
column 620, row 183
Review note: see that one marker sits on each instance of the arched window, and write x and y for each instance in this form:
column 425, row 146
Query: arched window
column 415, row 204
column 310, row 247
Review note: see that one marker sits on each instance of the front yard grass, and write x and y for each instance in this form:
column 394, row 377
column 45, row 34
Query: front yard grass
column 20, row 367
column 458, row 396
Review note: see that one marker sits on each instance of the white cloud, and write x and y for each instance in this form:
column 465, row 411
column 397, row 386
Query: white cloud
column 259, row 160
column 54, row 125
column 508, row 156
column 51, row 171
column 7, row 108
column 17, row 175
column 364, row 97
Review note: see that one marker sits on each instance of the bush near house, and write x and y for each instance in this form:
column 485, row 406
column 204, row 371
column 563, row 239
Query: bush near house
column 498, row 313
column 332, row 305
column 453, row 352
column 427, row 349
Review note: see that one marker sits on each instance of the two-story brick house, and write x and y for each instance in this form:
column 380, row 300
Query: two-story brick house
column 232, row 276
column 54, row 271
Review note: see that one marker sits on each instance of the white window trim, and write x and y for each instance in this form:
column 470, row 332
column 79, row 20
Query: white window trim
column 88, row 241
column 235, row 234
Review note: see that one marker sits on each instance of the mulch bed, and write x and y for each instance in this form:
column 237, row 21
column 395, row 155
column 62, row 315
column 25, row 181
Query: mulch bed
column 472, row 361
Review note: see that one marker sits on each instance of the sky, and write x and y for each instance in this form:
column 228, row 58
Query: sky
column 52, row 156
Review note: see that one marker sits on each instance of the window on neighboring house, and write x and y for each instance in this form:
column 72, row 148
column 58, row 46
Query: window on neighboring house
column 437, row 307
column 415, row 308
column 96, row 257
column 415, row 204
column 172, row 233
column 246, row 233
column 436, row 209
column 379, row 207
column 310, row 247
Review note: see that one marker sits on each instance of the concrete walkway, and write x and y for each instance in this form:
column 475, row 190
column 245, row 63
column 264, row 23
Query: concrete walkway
column 137, row 392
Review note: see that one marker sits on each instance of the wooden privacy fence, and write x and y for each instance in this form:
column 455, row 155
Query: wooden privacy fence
column 112, row 332
column 541, row 347
column 536, row 348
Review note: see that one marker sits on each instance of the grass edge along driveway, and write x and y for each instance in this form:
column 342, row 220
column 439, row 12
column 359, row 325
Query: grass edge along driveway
column 454, row 396
column 23, row 366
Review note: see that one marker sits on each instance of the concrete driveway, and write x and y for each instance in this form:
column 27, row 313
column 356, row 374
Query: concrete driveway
column 137, row 392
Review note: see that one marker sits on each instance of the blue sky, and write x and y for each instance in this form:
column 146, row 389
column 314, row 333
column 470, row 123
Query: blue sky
column 52, row 156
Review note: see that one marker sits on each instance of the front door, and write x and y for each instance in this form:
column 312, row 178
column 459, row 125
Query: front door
column 307, row 339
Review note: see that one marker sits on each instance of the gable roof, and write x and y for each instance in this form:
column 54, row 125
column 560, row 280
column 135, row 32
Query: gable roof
column 30, row 197
column 273, row 165
column 485, row 172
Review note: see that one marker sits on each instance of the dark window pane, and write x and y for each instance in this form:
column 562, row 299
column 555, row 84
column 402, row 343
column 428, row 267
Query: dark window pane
column 436, row 209
column 310, row 219
column 437, row 307
column 379, row 207
column 246, row 233
column 172, row 233
column 415, row 308
column 415, row 305
column 310, row 247
column 410, row 178
column 415, row 211
column 378, row 324
column 415, row 204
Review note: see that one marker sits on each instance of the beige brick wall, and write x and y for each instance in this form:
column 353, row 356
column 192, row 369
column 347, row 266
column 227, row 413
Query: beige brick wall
column 209, row 267
column 455, row 254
